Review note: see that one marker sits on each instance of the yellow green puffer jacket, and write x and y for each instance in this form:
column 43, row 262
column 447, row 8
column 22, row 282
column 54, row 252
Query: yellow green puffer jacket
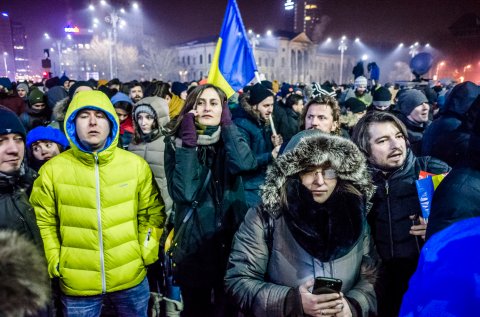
column 99, row 214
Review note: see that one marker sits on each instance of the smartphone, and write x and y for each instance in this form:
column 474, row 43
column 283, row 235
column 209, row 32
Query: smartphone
column 326, row 285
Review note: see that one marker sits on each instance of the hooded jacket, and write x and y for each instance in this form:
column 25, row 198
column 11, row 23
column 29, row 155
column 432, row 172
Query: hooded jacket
column 100, row 221
column 444, row 138
column 260, row 279
column 153, row 150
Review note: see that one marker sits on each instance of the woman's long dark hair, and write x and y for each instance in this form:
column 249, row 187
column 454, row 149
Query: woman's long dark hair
column 190, row 103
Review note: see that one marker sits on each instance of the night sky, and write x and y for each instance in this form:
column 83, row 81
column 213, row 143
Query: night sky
column 384, row 21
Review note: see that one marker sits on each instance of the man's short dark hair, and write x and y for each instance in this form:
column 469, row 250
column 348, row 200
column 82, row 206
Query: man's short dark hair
column 135, row 84
column 361, row 135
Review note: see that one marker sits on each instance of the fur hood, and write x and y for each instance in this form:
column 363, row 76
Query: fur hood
column 313, row 147
column 24, row 282
column 60, row 109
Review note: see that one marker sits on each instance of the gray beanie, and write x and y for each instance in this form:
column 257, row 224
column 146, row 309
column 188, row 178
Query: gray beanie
column 144, row 108
column 23, row 86
column 409, row 100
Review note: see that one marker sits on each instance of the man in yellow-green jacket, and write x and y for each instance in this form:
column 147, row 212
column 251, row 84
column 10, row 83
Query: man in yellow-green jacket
column 100, row 214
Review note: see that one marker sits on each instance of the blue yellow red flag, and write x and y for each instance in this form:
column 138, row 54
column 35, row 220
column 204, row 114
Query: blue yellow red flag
column 233, row 64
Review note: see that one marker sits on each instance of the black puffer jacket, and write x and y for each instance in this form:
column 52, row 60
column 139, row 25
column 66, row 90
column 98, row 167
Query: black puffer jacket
column 395, row 200
column 16, row 213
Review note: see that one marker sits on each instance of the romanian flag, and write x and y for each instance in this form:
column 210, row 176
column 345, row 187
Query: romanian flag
column 233, row 64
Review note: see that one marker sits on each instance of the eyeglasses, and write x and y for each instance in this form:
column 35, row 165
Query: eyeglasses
column 328, row 173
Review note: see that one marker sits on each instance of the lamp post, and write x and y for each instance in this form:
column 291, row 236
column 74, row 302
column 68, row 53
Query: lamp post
column 112, row 19
column 342, row 48
column 5, row 54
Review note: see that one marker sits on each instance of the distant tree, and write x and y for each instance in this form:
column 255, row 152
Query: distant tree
column 159, row 63
column 127, row 58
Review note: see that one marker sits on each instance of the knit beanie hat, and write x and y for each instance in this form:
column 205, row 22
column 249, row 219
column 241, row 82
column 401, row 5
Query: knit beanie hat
column 47, row 134
column 258, row 93
column 52, row 82
column 10, row 123
column 24, row 87
column 360, row 81
column 120, row 96
column 74, row 87
column 319, row 91
column 6, row 83
column 178, row 88
column 285, row 90
column 36, row 96
column 267, row 84
column 144, row 108
column 409, row 100
column 382, row 97
column 355, row 105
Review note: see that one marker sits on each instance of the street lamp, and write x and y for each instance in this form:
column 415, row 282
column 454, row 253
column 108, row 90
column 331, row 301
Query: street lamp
column 342, row 48
column 413, row 49
column 465, row 69
column 5, row 54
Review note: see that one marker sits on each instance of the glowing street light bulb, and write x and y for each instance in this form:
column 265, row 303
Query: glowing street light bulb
column 250, row 31
column 357, row 40
column 427, row 45
column 269, row 32
column 416, row 44
column 103, row 3
column 46, row 36
column 329, row 40
column 122, row 10
column 400, row 45
column 91, row 7
column 364, row 57
column 344, row 38
column 135, row 5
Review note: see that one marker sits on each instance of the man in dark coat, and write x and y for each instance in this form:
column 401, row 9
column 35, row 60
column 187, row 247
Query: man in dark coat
column 458, row 195
column 442, row 139
column 15, row 179
column 413, row 109
column 382, row 137
column 252, row 120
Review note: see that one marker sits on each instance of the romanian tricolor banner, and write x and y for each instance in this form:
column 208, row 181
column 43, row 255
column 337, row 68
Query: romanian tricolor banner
column 233, row 64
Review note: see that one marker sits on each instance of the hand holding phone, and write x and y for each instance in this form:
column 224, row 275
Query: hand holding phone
column 326, row 285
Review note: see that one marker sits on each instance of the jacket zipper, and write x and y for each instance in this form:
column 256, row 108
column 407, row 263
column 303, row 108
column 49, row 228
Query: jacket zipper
column 99, row 220
column 389, row 217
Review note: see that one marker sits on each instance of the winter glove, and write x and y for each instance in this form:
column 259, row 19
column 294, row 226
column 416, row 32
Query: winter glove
column 226, row 118
column 188, row 132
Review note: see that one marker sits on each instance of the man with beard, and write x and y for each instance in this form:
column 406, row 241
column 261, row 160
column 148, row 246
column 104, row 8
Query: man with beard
column 397, row 228
column 413, row 109
column 135, row 92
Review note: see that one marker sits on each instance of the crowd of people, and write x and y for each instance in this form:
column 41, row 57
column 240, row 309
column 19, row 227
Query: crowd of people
column 171, row 199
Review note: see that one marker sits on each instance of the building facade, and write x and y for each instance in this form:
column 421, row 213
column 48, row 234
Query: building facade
column 284, row 56
column 7, row 56
column 20, row 49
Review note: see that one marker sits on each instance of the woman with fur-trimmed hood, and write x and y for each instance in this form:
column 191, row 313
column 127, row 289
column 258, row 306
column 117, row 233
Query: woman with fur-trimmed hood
column 311, row 223
column 252, row 120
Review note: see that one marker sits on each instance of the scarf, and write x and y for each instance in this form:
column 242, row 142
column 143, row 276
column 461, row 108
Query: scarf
column 326, row 231
column 127, row 126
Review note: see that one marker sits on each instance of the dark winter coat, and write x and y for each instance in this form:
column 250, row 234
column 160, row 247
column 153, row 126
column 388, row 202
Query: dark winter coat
column 291, row 126
column 219, row 211
column 394, row 201
column 458, row 195
column 263, row 280
column 32, row 119
column 258, row 137
column 444, row 139
column 16, row 213
column 12, row 102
